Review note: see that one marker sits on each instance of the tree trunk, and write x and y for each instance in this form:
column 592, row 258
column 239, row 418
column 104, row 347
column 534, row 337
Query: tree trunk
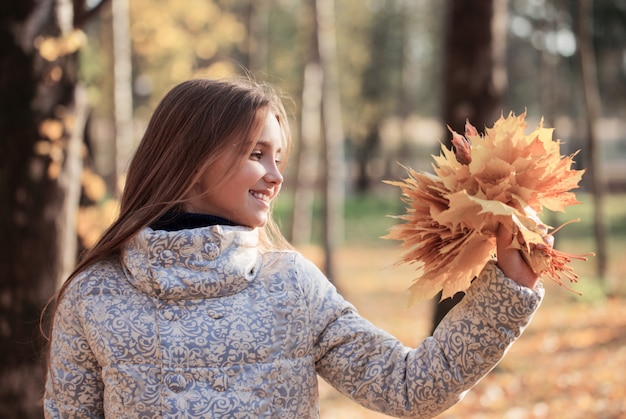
column 310, row 135
column 258, row 23
column 363, row 156
column 307, row 167
column 334, row 190
column 474, row 75
column 474, row 60
column 39, row 163
column 592, row 111
column 37, row 99
column 123, row 87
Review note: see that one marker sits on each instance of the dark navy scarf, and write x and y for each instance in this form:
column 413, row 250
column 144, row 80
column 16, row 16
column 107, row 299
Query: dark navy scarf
column 174, row 221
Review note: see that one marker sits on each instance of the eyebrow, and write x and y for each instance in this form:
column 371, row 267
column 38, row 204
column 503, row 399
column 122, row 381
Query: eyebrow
column 267, row 143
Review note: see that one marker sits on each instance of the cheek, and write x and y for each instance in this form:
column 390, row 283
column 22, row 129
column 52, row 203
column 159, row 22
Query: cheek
column 250, row 174
column 217, row 176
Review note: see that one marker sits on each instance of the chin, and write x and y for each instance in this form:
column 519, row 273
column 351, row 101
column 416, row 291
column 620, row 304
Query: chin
column 261, row 223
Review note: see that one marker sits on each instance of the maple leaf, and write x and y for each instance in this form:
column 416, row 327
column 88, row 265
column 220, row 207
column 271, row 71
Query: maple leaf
column 501, row 177
column 463, row 147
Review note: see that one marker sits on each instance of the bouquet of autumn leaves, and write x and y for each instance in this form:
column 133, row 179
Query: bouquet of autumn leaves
column 502, row 177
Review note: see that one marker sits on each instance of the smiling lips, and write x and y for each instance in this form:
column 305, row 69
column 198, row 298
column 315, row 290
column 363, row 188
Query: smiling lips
column 261, row 196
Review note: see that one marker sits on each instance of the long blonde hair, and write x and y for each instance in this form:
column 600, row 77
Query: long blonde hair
column 197, row 123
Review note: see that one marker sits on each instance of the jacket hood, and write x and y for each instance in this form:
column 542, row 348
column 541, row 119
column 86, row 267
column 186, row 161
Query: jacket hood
column 205, row 262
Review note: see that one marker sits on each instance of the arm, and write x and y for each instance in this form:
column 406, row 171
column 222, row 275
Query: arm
column 73, row 384
column 376, row 370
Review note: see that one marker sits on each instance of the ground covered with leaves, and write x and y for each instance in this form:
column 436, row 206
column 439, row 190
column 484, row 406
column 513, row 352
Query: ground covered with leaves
column 570, row 363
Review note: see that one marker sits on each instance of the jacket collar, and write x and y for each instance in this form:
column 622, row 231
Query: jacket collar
column 206, row 262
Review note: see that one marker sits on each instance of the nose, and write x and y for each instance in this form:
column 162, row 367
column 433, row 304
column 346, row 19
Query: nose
column 273, row 174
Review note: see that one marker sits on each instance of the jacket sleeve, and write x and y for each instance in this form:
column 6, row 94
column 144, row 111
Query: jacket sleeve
column 376, row 370
column 74, row 388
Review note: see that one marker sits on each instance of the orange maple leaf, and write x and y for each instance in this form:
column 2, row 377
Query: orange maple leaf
column 502, row 177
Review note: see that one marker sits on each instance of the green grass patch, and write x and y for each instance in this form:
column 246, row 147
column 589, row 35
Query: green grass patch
column 365, row 218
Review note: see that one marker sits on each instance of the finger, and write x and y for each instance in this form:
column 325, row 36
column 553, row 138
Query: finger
column 549, row 239
column 505, row 235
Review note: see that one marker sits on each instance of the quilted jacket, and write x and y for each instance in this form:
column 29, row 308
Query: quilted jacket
column 200, row 323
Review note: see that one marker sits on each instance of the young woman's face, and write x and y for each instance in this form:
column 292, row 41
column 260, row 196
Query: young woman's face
column 245, row 197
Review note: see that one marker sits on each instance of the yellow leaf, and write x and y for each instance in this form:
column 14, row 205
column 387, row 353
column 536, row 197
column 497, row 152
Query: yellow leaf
column 51, row 129
column 501, row 177
column 94, row 186
column 51, row 48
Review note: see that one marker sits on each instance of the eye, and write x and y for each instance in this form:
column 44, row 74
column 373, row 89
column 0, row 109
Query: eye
column 256, row 155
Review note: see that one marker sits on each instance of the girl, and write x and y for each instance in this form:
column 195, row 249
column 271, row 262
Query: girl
column 193, row 305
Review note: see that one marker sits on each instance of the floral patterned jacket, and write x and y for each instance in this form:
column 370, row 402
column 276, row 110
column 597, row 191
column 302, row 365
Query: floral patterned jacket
column 200, row 323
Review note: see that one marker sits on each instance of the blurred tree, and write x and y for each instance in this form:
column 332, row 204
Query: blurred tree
column 332, row 126
column 608, row 37
column 593, row 109
column 388, row 56
column 321, row 124
column 122, row 86
column 542, row 34
column 381, row 84
column 41, row 120
column 308, row 150
column 258, row 14
column 179, row 40
column 595, row 34
column 474, row 77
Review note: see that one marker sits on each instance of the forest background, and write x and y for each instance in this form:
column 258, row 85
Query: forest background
column 373, row 84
